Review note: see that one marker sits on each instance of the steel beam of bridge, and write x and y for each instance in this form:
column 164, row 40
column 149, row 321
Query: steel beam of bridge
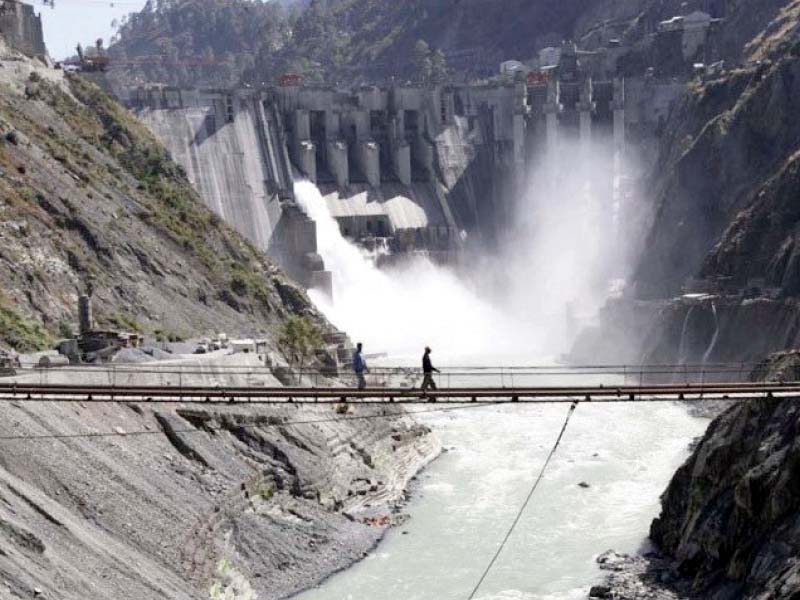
column 454, row 395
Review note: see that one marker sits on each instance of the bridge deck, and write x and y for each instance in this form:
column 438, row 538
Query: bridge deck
column 266, row 395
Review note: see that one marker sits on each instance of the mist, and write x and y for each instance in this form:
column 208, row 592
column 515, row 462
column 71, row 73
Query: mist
column 401, row 309
column 558, row 260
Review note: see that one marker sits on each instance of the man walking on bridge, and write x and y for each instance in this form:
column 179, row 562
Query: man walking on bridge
column 428, row 370
column 360, row 367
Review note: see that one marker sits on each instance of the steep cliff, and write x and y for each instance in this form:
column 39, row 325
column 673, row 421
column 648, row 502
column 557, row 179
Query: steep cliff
column 729, row 526
column 731, row 515
column 725, row 174
column 88, row 195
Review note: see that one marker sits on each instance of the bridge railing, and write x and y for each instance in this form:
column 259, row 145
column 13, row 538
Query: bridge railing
column 453, row 377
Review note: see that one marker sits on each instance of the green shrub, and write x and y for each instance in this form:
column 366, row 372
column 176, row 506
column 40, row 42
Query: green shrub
column 22, row 334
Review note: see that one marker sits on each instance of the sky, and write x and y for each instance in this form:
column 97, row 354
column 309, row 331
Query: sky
column 73, row 21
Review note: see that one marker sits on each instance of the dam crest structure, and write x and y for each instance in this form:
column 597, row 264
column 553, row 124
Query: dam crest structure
column 409, row 169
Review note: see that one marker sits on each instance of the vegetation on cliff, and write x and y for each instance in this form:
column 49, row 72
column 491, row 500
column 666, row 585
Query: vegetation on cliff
column 725, row 181
column 189, row 42
column 88, row 196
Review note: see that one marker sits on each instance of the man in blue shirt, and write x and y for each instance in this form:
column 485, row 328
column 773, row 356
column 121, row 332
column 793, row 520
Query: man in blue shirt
column 360, row 366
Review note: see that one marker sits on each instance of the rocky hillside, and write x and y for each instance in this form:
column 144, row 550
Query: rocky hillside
column 87, row 195
column 102, row 501
column 726, row 174
column 730, row 518
column 334, row 40
column 188, row 42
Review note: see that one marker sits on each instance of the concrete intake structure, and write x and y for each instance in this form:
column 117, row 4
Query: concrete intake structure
column 421, row 167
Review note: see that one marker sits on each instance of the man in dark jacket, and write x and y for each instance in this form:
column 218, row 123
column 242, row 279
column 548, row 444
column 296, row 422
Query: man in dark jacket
column 428, row 370
column 360, row 366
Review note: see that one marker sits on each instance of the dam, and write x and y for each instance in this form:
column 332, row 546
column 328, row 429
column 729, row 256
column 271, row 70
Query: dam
column 410, row 169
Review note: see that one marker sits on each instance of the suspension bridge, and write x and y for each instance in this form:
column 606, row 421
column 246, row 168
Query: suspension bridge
column 493, row 385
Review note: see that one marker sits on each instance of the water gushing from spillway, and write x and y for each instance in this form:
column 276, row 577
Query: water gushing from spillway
column 406, row 307
column 683, row 345
column 713, row 344
column 555, row 261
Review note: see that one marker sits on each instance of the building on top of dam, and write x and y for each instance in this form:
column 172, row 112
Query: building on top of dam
column 420, row 167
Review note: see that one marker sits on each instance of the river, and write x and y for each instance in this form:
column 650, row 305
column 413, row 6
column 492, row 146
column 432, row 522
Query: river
column 467, row 499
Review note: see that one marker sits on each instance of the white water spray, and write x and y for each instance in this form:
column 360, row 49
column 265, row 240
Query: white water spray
column 713, row 344
column 402, row 309
column 555, row 263
column 682, row 346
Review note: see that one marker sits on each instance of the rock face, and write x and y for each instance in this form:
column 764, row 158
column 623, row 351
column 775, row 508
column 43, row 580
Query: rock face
column 731, row 515
column 729, row 526
column 179, row 503
column 725, row 201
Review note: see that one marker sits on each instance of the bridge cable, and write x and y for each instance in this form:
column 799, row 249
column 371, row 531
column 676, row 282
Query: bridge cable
column 527, row 500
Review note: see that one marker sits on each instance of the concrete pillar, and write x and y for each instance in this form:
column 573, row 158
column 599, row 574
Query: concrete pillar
column 369, row 155
column 422, row 151
column 519, row 139
column 399, row 125
column 618, row 105
column 551, row 110
column 402, row 161
column 585, row 108
column 307, row 159
column 85, row 314
column 445, row 106
column 361, row 120
column 586, row 128
column 551, row 121
column 338, row 162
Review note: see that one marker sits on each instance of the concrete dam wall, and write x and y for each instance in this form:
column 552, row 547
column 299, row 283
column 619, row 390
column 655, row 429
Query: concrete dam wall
column 232, row 148
column 223, row 160
column 410, row 168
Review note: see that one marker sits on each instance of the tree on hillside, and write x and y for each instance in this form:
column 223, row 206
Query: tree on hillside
column 431, row 65
column 422, row 61
column 438, row 66
column 299, row 339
